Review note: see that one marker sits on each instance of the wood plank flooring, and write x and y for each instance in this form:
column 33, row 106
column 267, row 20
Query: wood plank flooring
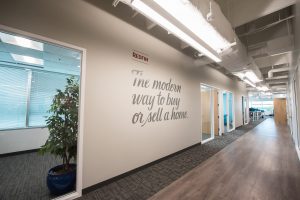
column 262, row 164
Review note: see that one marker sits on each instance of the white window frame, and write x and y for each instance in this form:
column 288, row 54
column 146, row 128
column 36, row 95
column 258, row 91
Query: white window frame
column 78, row 192
column 212, row 116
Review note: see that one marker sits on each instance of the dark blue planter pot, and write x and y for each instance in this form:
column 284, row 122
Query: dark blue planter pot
column 62, row 183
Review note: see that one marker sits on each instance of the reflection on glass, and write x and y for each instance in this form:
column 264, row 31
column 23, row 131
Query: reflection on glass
column 206, row 114
column 230, row 105
column 245, row 110
column 225, row 111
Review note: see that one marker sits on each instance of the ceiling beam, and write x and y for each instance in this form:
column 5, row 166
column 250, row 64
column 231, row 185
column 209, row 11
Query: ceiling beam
column 149, row 24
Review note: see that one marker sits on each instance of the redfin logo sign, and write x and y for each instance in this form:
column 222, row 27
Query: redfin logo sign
column 139, row 56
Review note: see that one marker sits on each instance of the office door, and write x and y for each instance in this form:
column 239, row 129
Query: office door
column 280, row 114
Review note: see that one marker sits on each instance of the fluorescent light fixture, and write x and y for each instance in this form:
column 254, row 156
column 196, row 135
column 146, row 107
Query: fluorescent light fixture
column 262, row 88
column 249, row 82
column 268, row 93
column 166, row 24
column 189, row 15
column 241, row 75
column 22, row 42
column 252, row 77
column 27, row 59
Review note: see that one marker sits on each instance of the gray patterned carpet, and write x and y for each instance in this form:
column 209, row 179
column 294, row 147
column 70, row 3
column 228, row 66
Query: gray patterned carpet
column 145, row 183
column 23, row 177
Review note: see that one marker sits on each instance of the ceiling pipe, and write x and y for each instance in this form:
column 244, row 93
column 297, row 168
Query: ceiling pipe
column 278, row 77
column 272, row 71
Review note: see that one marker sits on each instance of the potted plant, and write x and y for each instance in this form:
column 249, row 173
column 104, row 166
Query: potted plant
column 62, row 124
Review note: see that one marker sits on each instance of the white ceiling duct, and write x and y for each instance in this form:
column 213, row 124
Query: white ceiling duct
column 272, row 71
column 211, row 10
column 278, row 77
column 274, row 59
column 278, row 86
column 272, row 47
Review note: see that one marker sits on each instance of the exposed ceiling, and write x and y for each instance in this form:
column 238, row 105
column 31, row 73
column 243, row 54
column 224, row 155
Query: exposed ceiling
column 269, row 41
column 129, row 15
column 240, row 12
column 263, row 32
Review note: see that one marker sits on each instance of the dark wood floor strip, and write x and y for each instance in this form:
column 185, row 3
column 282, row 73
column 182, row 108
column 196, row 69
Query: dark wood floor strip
column 262, row 164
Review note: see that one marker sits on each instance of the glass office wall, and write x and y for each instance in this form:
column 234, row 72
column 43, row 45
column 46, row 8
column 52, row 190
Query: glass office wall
column 225, row 112
column 39, row 102
column 206, row 112
column 230, row 105
column 228, row 111
column 245, row 110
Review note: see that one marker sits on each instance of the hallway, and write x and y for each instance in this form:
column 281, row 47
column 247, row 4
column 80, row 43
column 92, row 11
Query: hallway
column 262, row 164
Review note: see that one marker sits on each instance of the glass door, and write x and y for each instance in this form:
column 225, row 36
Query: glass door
column 225, row 113
column 231, row 116
column 245, row 109
column 296, row 114
column 228, row 111
column 206, row 113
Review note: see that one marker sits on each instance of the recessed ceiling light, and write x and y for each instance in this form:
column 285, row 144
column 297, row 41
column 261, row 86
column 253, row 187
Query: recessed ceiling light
column 27, row 59
column 22, row 42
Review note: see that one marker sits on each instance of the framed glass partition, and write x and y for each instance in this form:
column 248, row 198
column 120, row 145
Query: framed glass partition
column 230, row 106
column 245, row 110
column 228, row 111
column 40, row 91
column 206, row 112
column 225, row 112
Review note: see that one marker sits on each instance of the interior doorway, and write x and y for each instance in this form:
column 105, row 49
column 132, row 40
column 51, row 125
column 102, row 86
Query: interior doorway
column 228, row 111
column 245, row 110
column 209, row 113
column 280, row 114
column 295, row 100
column 216, row 112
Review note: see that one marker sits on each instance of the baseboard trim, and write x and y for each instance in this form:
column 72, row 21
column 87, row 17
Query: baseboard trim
column 18, row 153
column 116, row 178
column 207, row 140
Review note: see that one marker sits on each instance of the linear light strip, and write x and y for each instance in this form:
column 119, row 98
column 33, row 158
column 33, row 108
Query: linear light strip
column 157, row 18
column 249, row 82
column 189, row 16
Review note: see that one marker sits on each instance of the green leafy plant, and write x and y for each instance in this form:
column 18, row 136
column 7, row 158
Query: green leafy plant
column 62, row 123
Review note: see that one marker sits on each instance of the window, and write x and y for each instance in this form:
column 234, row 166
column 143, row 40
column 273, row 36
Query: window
column 13, row 101
column 31, row 72
column 26, row 96
column 43, row 88
column 265, row 105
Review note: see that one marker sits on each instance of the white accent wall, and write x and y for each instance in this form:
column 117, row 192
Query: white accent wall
column 112, row 143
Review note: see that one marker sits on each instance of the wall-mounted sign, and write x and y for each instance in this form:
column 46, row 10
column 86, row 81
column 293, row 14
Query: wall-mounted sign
column 140, row 57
